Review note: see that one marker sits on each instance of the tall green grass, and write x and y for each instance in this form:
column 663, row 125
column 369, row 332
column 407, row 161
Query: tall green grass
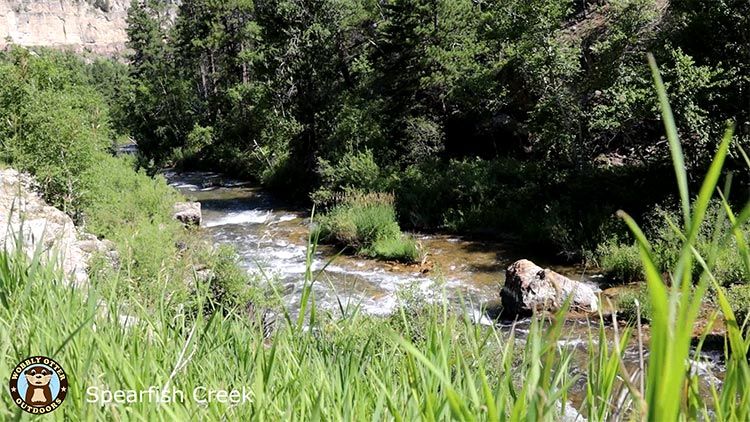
column 356, row 368
column 675, row 307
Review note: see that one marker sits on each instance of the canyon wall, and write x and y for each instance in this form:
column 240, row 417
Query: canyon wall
column 96, row 26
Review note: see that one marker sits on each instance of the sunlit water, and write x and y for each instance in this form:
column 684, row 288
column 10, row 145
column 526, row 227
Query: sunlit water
column 271, row 239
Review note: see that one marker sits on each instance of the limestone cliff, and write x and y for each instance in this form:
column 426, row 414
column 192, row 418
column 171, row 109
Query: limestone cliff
column 96, row 26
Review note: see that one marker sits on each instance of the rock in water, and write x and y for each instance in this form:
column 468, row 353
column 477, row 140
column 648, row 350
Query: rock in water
column 189, row 213
column 530, row 288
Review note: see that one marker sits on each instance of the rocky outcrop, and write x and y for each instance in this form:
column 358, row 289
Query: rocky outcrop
column 26, row 217
column 530, row 288
column 188, row 213
column 97, row 26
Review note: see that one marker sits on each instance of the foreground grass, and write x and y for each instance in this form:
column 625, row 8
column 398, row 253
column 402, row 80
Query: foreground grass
column 356, row 368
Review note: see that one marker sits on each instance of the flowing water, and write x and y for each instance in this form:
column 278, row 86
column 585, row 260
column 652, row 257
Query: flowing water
column 271, row 237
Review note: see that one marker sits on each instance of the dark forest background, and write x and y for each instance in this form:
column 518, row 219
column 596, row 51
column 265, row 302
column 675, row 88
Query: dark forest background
column 535, row 119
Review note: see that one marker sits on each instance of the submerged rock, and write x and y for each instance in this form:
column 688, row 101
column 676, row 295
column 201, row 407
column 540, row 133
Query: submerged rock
column 189, row 213
column 530, row 288
column 25, row 217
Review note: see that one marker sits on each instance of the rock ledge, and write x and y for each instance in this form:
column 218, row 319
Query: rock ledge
column 25, row 215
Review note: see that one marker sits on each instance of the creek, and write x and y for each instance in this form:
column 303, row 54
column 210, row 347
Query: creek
column 271, row 238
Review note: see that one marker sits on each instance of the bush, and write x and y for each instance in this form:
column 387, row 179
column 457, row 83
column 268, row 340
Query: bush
column 621, row 262
column 367, row 223
column 626, row 305
column 739, row 300
column 59, row 130
column 121, row 197
column 727, row 267
column 228, row 284
column 353, row 172
column 56, row 128
column 134, row 211
column 196, row 141
column 539, row 206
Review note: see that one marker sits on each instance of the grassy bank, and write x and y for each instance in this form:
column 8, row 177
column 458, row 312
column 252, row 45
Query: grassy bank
column 351, row 369
column 718, row 236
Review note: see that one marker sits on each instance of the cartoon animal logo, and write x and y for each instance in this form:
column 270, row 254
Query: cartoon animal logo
column 38, row 385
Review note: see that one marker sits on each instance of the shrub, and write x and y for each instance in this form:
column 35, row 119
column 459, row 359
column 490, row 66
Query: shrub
column 56, row 125
column 367, row 222
column 539, row 206
column 59, row 130
column 58, row 137
column 353, row 172
column 739, row 300
column 228, row 284
column 626, row 304
column 121, row 198
column 198, row 138
column 134, row 211
column 621, row 262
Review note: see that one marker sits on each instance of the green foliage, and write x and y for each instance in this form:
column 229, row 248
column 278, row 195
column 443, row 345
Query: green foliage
column 360, row 220
column 121, row 197
column 621, row 262
column 515, row 197
column 228, row 283
column 56, row 127
column 59, row 130
column 314, row 99
column 631, row 304
column 676, row 305
column 158, row 102
column 356, row 368
column 134, row 211
column 353, row 172
column 739, row 300
column 367, row 222
column 403, row 248
column 424, row 363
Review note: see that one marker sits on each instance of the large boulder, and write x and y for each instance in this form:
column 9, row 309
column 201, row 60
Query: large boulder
column 189, row 213
column 26, row 217
column 530, row 288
